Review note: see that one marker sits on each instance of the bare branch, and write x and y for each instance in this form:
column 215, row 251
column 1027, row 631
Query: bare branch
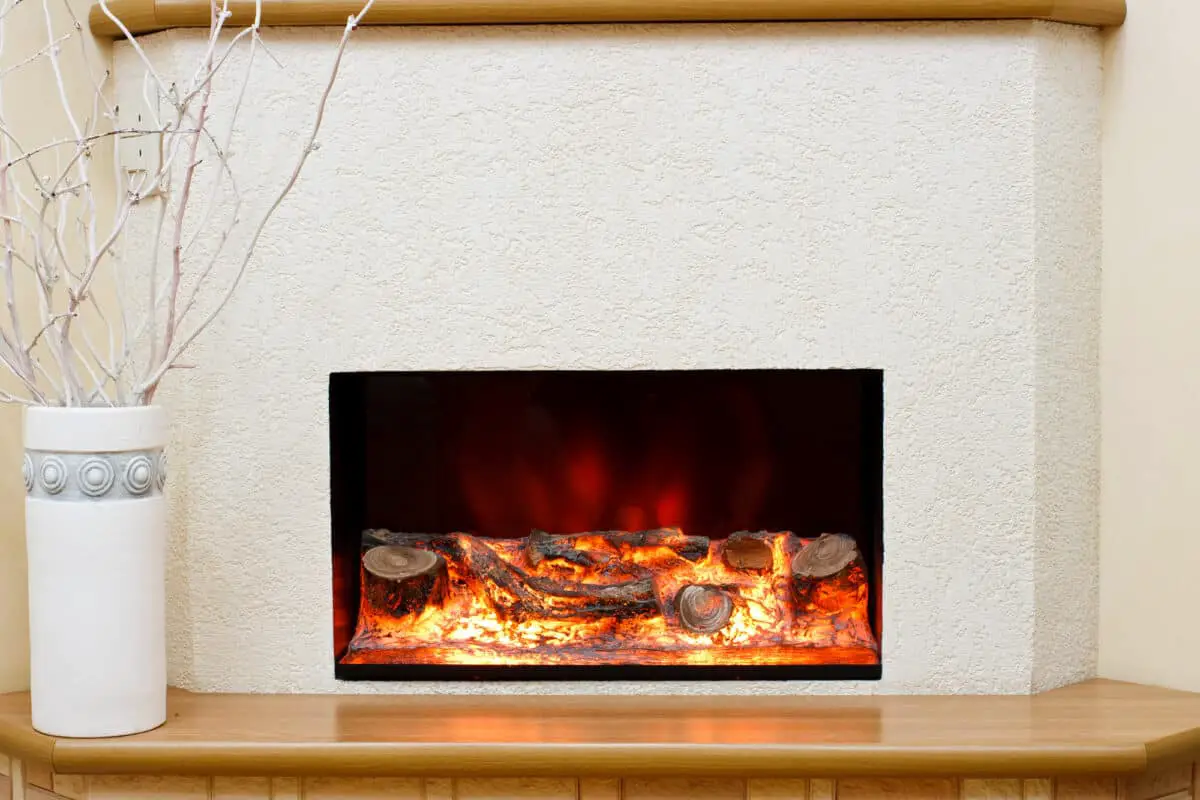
column 82, row 141
column 5, row 397
column 10, row 287
column 30, row 385
column 148, row 386
column 189, row 175
column 9, row 9
column 136, row 47
column 53, row 321
column 53, row 229
column 14, row 67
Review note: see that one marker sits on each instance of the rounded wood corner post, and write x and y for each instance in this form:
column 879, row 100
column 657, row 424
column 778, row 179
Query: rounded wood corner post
column 148, row 16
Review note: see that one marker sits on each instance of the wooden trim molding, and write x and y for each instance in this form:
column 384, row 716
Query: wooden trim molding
column 1096, row 728
column 147, row 16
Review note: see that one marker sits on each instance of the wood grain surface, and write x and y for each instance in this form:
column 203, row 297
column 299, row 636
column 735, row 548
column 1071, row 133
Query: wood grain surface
column 145, row 16
column 1097, row 728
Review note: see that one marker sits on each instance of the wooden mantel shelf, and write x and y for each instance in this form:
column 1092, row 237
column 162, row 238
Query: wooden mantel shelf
column 1093, row 728
column 147, row 16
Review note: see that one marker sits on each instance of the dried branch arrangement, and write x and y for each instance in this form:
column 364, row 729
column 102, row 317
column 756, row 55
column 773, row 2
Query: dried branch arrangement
column 108, row 330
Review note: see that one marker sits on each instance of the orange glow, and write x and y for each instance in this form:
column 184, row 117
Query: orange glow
column 483, row 622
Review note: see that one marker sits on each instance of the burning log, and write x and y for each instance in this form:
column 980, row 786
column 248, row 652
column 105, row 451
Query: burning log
column 703, row 609
column 482, row 562
column 824, row 556
column 547, row 545
column 629, row 593
column 447, row 545
column 748, row 551
column 612, row 597
column 826, row 571
column 515, row 594
column 398, row 581
column 540, row 546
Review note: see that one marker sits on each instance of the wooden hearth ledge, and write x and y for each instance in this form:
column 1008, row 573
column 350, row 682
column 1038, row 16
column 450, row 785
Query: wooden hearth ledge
column 1097, row 728
column 146, row 16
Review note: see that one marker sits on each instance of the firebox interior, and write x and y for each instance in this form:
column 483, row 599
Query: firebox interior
column 696, row 524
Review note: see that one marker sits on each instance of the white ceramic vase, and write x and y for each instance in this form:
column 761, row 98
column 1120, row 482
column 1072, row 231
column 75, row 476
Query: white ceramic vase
column 96, row 529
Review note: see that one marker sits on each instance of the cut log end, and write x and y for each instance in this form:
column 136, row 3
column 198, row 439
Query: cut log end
column 747, row 551
column 827, row 555
column 703, row 609
column 402, row 580
column 395, row 563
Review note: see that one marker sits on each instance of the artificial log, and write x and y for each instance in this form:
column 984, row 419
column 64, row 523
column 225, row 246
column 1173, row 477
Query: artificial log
column 541, row 546
column 826, row 555
column 483, row 563
column 703, row 609
column 551, row 545
column 515, row 594
column 630, row 592
column 748, row 551
column 399, row 581
column 826, row 572
column 448, row 545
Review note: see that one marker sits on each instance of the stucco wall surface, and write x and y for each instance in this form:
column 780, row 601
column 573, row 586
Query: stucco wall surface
column 921, row 198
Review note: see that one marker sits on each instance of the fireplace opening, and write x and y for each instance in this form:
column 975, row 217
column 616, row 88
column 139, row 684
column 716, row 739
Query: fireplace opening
column 674, row 525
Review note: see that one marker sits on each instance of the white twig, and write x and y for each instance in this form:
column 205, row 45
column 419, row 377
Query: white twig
column 53, row 321
column 150, row 384
column 136, row 47
column 9, row 9
column 53, row 230
column 5, row 397
column 30, row 385
column 119, row 132
column 14, row 67
column 189, row 175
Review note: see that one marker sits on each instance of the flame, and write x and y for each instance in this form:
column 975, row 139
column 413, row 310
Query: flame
column 475, row 626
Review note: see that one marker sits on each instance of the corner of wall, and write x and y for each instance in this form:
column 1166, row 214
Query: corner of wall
column 1066, row 139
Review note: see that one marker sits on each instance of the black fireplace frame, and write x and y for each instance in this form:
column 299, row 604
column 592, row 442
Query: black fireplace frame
column 347, row 499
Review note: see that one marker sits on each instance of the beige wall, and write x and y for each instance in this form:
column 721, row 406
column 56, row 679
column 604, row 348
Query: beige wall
column 1150, row 349
column 34, row 115
column 14, row 667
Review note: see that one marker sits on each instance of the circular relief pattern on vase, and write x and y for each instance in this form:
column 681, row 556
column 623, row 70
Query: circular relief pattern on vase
column 161, row 472
column 27, row 472
column 95, row 477
column 52, row 475
column 139, row 475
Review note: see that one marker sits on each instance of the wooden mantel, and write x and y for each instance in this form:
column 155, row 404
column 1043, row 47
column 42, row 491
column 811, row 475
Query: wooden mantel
column 146, row 16
column 1097, row 728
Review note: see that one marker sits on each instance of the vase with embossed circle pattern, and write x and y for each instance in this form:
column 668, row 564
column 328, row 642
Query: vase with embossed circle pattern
column 96, row 530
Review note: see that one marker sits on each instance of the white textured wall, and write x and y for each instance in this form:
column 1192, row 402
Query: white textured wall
column 1066, row 171
column 921, row 198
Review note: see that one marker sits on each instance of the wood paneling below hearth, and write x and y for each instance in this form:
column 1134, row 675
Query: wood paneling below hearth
column 1173, row 783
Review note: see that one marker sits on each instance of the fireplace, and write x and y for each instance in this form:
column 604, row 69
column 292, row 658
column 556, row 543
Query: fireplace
column 707, row 524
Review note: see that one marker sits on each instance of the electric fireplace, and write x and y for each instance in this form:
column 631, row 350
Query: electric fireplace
column 693, row 524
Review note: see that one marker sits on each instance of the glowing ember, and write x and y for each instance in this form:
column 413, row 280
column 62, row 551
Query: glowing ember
column 650, row 597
